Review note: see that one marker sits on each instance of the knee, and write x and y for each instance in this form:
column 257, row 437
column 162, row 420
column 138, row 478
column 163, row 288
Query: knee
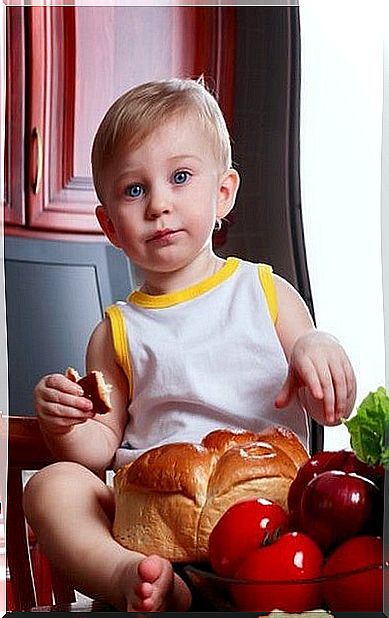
column 47, row 483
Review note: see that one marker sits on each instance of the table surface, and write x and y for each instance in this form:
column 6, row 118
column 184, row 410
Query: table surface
column 78, row 606
column 97, row 606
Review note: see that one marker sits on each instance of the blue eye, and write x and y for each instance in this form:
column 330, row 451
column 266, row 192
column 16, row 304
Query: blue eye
column 181, row 177
column 134, row 191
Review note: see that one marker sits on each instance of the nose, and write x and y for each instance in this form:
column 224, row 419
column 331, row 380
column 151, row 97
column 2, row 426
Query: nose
column 158, row 204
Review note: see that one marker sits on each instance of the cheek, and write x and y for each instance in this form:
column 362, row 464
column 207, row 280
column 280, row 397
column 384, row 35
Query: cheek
column 203, row 215
column 125, row 227
column 202, row 222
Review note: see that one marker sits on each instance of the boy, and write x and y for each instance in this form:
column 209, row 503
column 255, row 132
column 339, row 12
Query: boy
column 205, row 343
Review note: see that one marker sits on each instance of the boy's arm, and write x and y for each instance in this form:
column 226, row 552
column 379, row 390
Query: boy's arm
column 320, row 373
column 91, row 442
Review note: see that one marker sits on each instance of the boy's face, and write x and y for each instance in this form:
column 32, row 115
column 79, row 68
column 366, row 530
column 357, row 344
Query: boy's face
column 163, row 198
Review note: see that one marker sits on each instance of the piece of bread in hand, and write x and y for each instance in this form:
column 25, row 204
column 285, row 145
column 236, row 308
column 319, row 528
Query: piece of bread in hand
column 169, row 499
column 94, row 387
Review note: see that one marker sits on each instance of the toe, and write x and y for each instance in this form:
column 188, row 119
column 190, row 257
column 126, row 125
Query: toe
column 150, row 568
column 144, row 590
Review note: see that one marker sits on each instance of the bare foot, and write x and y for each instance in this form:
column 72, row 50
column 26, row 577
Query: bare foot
column 157, row 589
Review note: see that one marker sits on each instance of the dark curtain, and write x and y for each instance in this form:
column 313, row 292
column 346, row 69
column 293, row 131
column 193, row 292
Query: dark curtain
column 267, row 223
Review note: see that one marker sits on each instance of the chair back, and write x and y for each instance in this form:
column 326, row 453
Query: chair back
column 32, row 581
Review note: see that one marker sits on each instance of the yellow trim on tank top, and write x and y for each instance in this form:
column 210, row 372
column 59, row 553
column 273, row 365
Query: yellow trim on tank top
column 119, row 338
column 265, row 273
column 174, row 298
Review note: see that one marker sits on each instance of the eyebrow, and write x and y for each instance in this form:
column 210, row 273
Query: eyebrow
column 184, row 156
column 136, row 170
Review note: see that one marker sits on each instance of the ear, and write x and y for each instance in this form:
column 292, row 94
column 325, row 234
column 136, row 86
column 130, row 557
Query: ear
column 106, row 224
column 228, row 188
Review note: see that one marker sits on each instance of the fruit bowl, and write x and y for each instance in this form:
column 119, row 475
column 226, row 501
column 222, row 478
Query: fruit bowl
column 352, row 591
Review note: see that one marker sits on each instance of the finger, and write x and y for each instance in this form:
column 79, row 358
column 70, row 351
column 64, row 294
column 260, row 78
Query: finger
column 349, row 374
column 310, row 378
column 52, row 403
column 284, row 396
column 327, row 386
column 340, row 390
column 59, row 382
column 54, row 396
column 316, row 376
column 350, row 379
column 350, row 382
column 51, row 409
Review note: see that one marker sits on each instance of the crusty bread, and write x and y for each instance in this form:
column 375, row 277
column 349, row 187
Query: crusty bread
column 94, row 387
column 169, row 499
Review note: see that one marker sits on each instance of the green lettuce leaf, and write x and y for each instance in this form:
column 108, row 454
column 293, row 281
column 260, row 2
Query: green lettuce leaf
column 369, row 429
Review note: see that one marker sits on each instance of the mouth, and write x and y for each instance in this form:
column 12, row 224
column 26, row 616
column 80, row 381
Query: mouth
column 162, row 234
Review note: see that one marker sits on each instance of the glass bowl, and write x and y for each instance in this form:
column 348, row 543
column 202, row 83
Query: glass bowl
column 351, row 591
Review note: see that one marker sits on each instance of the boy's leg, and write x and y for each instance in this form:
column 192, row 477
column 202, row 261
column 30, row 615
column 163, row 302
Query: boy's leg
column 71, row 510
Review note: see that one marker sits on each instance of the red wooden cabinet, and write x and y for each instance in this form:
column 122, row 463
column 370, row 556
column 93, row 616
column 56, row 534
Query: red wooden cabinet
column 79, row 60
column 14, row 194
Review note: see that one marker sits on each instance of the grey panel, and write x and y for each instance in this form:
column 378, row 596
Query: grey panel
column 56, row 293
column 48, row 324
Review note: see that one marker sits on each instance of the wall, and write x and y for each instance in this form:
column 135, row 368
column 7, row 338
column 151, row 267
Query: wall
column 341, row 116
column 385, row 187
column 385, row 260
column 3, row 353
column 3, row 340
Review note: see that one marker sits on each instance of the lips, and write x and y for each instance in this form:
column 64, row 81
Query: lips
column 161, row 234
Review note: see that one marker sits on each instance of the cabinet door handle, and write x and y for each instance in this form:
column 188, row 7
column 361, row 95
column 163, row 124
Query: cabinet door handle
column 36, row 184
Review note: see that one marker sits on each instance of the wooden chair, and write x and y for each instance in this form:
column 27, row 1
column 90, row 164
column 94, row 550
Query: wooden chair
column 32, row 581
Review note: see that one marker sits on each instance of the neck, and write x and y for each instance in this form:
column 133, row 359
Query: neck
column 204, row 266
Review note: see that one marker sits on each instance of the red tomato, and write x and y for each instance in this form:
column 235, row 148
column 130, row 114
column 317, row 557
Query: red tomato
column 360, row 592
column 293, row 558
column 245, row 526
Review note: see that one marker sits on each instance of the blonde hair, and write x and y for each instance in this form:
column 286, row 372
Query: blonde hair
column 135, row 115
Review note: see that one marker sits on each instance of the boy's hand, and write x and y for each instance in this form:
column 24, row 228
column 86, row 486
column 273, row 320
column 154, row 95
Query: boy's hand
column 319, row 364
column 59, row 404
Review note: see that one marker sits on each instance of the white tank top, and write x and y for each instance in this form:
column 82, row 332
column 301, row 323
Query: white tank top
column 203, row 358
